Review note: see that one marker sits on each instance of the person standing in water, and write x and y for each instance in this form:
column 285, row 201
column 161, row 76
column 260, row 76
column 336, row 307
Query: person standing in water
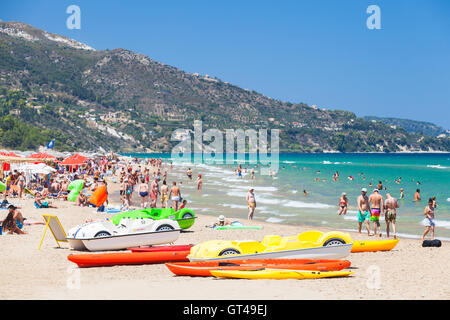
column 189, row 173
column 417, row 195
column 175, row 195
column 251, row 203
column 390, row 207
column 154, row 191
column 343, row 204
column 376, row 204
column 363, row 210
column 429, row 219
column 199, row 182
column 164, row 196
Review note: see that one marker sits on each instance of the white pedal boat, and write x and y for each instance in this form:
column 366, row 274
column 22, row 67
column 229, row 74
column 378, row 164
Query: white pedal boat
column 105, row 236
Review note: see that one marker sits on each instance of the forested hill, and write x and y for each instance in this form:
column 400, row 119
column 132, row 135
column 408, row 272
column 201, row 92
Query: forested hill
column 52, row 86
column 420, row 127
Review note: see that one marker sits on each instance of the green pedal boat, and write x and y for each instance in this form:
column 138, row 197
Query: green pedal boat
column 185, row 217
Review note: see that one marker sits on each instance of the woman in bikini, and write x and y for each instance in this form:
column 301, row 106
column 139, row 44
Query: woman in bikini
column 343, row 204
column 21, row 184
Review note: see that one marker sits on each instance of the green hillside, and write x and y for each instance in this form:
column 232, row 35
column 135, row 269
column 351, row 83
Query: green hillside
column 51, row 86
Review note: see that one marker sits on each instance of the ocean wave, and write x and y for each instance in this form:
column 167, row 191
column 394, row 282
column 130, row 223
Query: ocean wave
column 268, row 189
column 233, row 206
column 236, row 194
column 448, row 199
column 274, row 220
column 294, row 191
column 436, row 166
column 329, row 162
column 232, row 179
column 300, row 204
column 267, row 201
column 352, row 218
column 214, row 168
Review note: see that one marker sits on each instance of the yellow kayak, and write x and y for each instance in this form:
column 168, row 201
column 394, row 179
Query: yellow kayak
column 278, row 274
column 366, row 246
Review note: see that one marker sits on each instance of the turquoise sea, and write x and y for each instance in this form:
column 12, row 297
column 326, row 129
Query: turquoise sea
column 280, row 199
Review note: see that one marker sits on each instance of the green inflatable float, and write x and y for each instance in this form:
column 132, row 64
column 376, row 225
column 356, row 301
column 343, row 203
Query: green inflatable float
column 185, row 217
column 2, row 187
column 75, row 187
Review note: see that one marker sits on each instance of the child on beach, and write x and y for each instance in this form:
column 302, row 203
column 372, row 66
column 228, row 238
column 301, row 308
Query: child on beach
column 429, row 219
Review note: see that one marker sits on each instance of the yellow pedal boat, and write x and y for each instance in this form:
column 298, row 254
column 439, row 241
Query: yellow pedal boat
column 307, row 245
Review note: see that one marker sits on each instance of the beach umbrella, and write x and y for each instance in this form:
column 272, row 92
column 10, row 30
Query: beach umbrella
column 42, row 156
column 39, row 168
column 6, row 165
column 75, row 160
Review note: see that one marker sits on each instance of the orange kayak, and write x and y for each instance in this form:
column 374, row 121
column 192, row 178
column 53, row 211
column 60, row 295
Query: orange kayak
column 203, row 268
column 186, row 247
column 127, row 258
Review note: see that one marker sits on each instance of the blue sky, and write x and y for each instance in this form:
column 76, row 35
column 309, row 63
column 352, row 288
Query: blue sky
column 317, row 52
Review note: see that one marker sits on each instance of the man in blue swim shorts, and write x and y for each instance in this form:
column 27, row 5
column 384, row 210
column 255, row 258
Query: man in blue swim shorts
column 364, row 210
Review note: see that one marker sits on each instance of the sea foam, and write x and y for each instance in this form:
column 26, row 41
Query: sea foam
column 300, row 204
column 274, row 220
column 436, row 166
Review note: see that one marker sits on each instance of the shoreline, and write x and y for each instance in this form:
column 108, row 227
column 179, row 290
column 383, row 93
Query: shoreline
column 400, row 272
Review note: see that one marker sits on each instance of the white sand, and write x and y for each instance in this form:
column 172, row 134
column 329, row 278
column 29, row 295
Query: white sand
column 407, row 272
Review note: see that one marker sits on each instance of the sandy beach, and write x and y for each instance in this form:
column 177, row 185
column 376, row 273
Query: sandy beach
column 407, row 272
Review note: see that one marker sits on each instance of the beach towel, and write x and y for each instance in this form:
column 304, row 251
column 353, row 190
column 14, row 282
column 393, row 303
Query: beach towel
column 44, row 205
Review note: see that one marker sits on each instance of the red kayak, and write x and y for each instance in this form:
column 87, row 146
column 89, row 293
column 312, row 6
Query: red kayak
column 127, row 258
column 203, row 268
column 186, row 247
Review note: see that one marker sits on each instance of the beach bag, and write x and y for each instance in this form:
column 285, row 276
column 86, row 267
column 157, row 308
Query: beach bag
column 431, row 243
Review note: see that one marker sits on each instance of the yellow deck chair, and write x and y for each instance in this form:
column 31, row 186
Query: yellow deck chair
column 56, row 228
